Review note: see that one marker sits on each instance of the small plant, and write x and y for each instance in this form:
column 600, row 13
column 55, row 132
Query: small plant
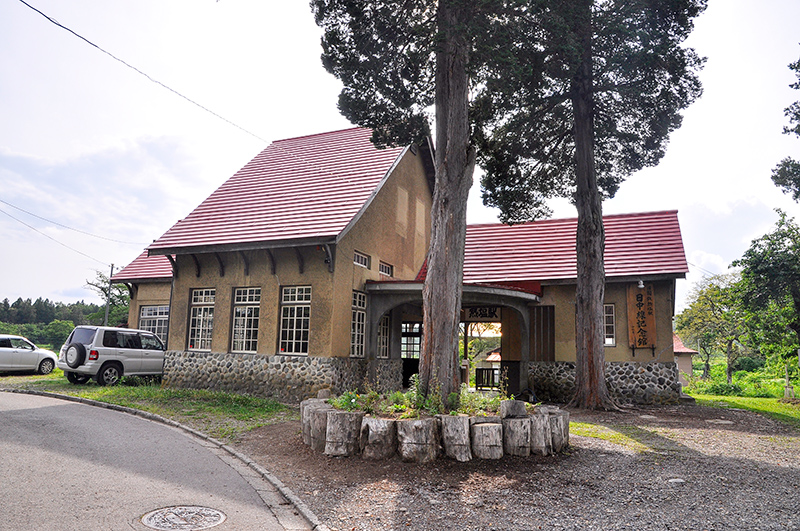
column 347, row 401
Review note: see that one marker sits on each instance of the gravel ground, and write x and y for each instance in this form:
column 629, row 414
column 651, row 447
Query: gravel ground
column 683, row 467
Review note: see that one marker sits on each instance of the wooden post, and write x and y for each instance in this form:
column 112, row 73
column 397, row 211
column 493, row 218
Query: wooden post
column 418, row 440
column 487, row 440
column 343, row 434
column 378, row 438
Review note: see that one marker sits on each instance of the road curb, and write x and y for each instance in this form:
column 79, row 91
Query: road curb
column 287, row 493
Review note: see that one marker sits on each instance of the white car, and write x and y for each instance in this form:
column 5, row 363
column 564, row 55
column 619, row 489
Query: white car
column 19, row 354
column 107, row 354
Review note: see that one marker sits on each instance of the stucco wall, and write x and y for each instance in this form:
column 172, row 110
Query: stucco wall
column 380, row 232
column 148, row 294
column 562, row 297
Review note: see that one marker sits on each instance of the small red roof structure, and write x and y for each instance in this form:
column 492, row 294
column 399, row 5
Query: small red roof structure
column 300, row 189
column 145, row 268
column 637, row 245
column 678, row 346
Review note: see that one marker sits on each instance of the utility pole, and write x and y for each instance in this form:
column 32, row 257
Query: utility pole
column 108, row 295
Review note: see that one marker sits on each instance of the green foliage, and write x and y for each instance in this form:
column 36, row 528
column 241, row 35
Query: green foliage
column 641, row 78
column 52, row 334
column 759, row 383
column 786, row 174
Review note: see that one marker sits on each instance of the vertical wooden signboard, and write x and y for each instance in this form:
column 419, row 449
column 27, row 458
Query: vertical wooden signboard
column 641, row 317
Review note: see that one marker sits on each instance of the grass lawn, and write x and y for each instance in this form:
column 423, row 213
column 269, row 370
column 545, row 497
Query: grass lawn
column 782, row 411
column 221, row 415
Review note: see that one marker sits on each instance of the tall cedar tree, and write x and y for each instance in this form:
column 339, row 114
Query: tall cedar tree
column 397, row 60
column 588, row 95
column 786, row 174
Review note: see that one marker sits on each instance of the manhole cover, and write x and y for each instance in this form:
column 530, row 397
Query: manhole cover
column 183, row 517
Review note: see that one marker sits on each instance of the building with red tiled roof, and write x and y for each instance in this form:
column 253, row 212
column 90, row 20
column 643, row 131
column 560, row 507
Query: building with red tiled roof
column 305, row 269
column 683, row 358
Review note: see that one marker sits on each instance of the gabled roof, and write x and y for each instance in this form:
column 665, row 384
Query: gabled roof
column 646, row 244
column 300, row 189
column 145, row 268
column 679, row 348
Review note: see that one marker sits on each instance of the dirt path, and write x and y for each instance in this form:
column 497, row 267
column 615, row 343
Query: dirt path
column 683, row 467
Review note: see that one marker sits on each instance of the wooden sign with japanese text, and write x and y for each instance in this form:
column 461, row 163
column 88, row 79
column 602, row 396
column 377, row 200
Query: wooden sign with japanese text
column 481, row 314
column 641, row 317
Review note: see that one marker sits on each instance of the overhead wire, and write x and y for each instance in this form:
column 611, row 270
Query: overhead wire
column 53, row 239
column 70, row 228
column 143, row 73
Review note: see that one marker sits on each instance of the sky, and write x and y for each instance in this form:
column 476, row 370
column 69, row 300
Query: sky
column 97, row 160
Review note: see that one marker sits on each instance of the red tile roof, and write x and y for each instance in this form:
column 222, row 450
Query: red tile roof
column 145, row 268
column 678, row 346
column 309, row 187
column 643, row 244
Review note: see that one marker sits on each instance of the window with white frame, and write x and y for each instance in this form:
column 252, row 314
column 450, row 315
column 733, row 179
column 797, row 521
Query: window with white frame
column 358, row 324
column 386, row 269
column 295, row 319
column 361, row 259
column 609, row 325
column 246, row 310
column 154, row 319
column 411, row 340
column 201, row 319
column 384, row 327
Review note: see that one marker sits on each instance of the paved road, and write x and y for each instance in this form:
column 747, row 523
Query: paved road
column 67, row 466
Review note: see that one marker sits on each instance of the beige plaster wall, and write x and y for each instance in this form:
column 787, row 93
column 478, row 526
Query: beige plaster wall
column 388, row 230
column 287, row 273
column 562, row 297
column 395, row 229
column 148, row 294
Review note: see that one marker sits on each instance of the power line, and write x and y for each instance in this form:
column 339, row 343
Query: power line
column 142, row 73
column 51, row 238
column 70, row 228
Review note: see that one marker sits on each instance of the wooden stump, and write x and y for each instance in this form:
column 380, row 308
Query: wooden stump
column 512, row 409
column 486, row 419
column 378, row 438
column 517, row 436
column 418, row 440
column 541, row 438
column 343, row 433
column 318, row 426
column 455, row 437
column 305, row 416
column 487, row 440
column 559, row 429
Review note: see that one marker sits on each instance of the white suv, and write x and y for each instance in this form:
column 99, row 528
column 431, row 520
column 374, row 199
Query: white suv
column 106, row 354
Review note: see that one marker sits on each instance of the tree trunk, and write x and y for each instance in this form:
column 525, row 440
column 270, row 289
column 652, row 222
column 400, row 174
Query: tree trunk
column 455, row 163
column 591, row 391
column 729, row 365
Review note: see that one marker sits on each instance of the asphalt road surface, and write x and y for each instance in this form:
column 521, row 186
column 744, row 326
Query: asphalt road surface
column 67, row 466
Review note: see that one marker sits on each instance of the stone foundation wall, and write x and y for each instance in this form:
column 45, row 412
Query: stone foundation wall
column 285, row 378
column 629, row 382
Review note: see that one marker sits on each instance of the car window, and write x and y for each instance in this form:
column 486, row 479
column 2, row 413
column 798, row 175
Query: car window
column 83, row 335
column 151, row 342
column 128, row 340
column 110, row 339
column 5, row 342
column 21, row 343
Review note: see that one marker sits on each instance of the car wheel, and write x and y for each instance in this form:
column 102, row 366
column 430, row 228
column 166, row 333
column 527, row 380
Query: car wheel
column 75, row 378
column 75, row 355
column 46, row 366
column 109, row 374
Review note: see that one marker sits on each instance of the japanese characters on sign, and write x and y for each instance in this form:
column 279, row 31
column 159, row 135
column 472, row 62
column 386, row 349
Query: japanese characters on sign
column 477, row 314
column 641, row 317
